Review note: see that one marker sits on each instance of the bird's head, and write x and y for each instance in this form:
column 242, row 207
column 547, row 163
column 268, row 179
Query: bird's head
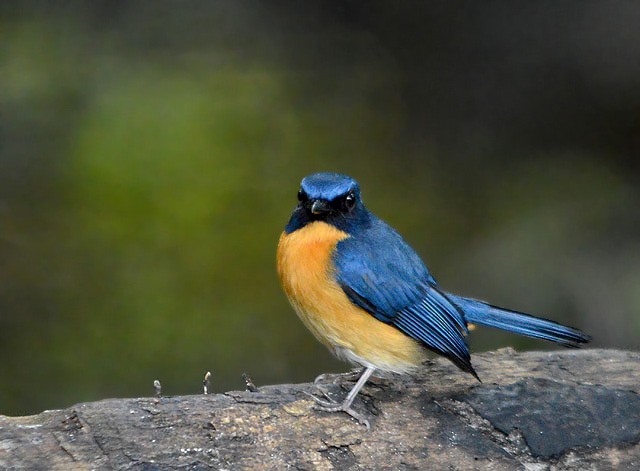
column 328, row 197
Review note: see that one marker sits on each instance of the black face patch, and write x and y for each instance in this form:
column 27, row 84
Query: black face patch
column 343, row 212
column 328, row 197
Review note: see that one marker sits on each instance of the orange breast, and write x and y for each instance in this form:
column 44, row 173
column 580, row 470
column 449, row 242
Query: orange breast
column 307, row 275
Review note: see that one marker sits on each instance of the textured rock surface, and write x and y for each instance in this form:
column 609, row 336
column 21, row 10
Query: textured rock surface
column 535, row 411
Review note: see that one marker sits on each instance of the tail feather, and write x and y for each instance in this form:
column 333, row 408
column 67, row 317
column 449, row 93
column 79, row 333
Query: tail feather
column 481, row 313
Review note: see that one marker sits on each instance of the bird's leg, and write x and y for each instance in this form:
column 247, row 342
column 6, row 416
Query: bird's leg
column 345, row 406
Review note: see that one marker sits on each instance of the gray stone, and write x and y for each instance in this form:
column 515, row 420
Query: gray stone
column 571, row 410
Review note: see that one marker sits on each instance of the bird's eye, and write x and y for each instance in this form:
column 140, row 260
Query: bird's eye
column 300, row 195
column 350, row 201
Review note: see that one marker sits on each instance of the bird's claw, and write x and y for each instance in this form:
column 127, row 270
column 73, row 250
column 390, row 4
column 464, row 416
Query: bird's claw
column 317, row 399
column 331, row 406
column 336, row 378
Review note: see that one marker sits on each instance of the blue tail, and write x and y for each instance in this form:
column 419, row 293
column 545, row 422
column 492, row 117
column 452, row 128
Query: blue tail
column 481, row 313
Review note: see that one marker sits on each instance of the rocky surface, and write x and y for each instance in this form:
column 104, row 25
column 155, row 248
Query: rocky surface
column 534, row 411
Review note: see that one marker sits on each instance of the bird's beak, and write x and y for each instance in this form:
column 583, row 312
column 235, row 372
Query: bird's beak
column 320, row 207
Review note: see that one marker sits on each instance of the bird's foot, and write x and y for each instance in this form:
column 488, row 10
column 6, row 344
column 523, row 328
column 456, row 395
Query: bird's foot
column 337, row 378
column 330, row 405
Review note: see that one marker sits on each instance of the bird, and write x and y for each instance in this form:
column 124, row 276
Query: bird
column 366, row 294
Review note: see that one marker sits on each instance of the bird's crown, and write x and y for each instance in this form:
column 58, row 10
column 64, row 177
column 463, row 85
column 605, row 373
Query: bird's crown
column 328, row 186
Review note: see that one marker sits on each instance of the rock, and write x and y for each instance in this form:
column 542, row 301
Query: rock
column 535, row 411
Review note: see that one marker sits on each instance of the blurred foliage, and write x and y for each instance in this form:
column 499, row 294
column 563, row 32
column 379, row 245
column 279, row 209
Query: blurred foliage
column 150, row 154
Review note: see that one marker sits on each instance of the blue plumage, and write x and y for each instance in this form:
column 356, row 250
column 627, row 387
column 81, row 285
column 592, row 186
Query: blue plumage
column 383, row 275
column 366, row 294
column 380, row 273
column 481, row 313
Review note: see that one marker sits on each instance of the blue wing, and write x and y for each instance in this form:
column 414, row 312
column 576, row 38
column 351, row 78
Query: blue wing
column 382, row 274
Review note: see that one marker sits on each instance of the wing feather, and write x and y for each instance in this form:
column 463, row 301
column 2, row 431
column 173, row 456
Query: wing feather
column 381, row 274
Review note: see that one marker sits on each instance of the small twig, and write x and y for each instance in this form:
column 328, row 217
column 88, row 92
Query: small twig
column 158, row 387
column 250, row 386
column 206, row 382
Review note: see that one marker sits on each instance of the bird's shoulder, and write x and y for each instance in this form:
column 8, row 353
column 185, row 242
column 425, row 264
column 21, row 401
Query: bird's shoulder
column 380, row 273
column 378, row 264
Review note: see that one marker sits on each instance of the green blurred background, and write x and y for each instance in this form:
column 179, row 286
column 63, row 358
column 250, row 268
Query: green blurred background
column 150, row 153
